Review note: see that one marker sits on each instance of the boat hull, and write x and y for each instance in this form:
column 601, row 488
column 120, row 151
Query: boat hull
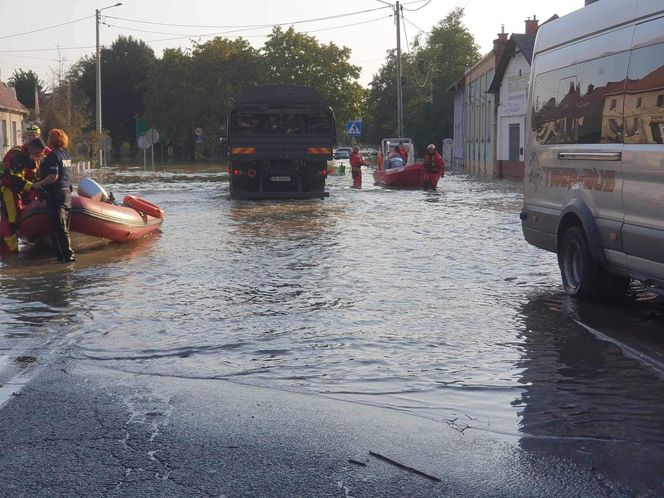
column 411, row 176
column 93, row 223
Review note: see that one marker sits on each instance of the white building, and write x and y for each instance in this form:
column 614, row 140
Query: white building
column 510, row 86
column 12, row 113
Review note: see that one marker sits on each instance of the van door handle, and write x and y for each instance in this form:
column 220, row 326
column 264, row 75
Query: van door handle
column 590, row 156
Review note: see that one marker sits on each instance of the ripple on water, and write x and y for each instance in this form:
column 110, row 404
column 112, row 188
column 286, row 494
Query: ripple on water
column 421, row 302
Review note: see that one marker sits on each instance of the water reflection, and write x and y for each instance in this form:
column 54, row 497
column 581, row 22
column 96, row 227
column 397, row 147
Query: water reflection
column 38, row 291
column 583, row 398
column 579, row 387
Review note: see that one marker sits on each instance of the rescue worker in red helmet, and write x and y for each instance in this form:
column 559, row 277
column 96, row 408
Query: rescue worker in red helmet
column 356, row 163
column 435, row 166
column 14, row 188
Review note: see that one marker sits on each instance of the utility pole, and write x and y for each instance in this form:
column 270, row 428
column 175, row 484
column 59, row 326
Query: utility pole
column 98, row 103
column 397, row 12
column 397, row 18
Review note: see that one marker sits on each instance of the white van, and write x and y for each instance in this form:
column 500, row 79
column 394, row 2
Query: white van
column 594, row 181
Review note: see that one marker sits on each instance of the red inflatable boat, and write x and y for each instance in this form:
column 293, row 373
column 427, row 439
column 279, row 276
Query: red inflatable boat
column 411, row 176
column 94, row 223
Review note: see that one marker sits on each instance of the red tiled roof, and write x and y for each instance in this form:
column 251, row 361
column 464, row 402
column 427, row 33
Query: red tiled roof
column 8, row 102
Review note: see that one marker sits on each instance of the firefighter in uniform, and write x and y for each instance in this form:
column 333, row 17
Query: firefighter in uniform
column 18, row 173
column 54, row 184
column 435, row 166
column 356, row 163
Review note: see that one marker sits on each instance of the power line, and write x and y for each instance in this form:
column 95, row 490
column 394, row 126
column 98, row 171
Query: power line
column 412, row 68
column 418, row 8
column 416, row 27
column 244, row 26
column 44, row 49
column 206, row 35
column 45, row 28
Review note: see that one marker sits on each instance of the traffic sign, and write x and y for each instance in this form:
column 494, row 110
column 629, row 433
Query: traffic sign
column 152, row 136
column 354, row 128
column 143, row 143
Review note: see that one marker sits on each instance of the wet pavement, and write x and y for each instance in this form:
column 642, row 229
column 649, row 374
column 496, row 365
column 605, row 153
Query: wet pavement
column 426, row 307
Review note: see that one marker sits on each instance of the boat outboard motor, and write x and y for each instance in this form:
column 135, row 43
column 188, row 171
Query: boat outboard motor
column 89, row 188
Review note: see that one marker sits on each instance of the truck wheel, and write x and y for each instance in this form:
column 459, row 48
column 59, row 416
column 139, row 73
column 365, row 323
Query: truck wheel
column 582, row 276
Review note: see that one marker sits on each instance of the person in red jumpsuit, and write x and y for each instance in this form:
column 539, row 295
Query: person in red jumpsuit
column 404, row 153
column 356, row 163
column 16, row 180
column 435, row 166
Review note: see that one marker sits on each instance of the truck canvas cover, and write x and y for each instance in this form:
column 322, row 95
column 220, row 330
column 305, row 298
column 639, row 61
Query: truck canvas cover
column 264, row 98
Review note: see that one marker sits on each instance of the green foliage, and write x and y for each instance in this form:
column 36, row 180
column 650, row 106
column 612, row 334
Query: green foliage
column 186, row 89
column 124, row 73
column 297, row 58
column 191, row 90
column 24, row 83
column 429, row 70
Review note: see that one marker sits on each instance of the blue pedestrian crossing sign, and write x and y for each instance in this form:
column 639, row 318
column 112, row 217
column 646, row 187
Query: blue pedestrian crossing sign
column 354, row 128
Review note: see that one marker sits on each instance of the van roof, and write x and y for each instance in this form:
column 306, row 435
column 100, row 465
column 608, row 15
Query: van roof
column 593, row 18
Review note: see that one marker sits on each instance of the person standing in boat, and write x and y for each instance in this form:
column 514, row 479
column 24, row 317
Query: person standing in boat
column 435, row 166
column 404, row 152
column 356, row 163
column 54, row 182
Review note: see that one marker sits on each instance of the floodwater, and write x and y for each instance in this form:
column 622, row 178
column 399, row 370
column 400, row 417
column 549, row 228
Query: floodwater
column 427, row 303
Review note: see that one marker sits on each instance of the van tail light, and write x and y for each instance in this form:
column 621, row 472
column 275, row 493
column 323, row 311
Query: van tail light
column 323, row 172
column 237, row 172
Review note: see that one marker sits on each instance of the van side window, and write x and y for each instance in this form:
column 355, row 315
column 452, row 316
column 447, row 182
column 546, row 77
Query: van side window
column 644, row 123
column 555, row 100
column 600, row 111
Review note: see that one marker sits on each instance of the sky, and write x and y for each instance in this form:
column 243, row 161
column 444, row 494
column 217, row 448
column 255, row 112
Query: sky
column 166, row 24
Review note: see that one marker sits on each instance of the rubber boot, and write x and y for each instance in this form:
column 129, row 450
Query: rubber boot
column 11, row 243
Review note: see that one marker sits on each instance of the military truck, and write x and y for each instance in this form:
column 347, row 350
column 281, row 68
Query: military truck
column 280, row 138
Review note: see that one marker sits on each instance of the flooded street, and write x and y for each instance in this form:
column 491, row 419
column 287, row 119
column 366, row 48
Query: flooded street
column 429, row 304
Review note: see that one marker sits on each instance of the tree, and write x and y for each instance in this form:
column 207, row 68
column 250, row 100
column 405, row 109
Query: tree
column 187, row 91
column 429, row 70
column 125, row 68
column 450, row 48
column 24, row 82
column 297, row 58
column 66, row 108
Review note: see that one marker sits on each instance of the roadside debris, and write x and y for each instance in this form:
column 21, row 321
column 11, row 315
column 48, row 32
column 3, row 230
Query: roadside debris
column 402, row 466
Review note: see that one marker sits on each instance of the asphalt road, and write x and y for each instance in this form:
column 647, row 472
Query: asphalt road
column 78, row 430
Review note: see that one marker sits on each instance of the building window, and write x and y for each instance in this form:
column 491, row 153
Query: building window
column 613, row 104
column 660, row 101
column 4, row 139
column 14, row 133
column 639, row 101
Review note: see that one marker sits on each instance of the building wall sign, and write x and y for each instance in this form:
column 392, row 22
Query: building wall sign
column 516, row 99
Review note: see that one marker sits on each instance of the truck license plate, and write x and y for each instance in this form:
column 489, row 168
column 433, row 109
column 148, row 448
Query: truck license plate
column 280, row 179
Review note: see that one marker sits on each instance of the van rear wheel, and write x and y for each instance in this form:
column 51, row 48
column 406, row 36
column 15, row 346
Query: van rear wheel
column 582, row 276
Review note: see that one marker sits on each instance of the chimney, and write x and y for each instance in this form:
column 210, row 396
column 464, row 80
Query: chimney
column 532, row 25
column 500, row 43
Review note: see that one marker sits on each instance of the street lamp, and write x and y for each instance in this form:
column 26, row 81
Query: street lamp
column 99, row 126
